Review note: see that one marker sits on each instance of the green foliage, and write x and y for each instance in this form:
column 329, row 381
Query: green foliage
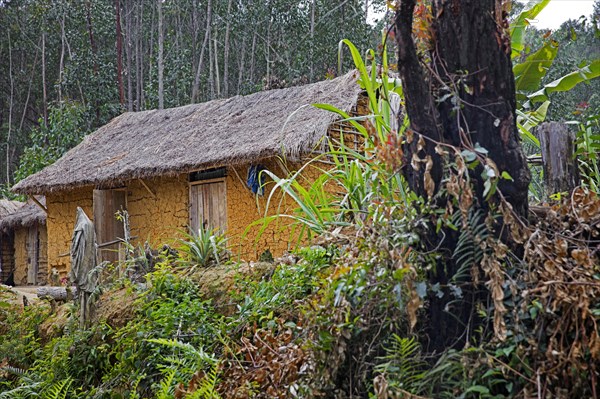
column 546, row 75
column 205, row 247
column 170, row 310
column 67, row 125
column 20, row 344
column 520, row 24
column 59, row 390
column 468, row 252
column 265, row 300
column 567, row 82
column 403, row 363
column 588, row 146
column 184, row 364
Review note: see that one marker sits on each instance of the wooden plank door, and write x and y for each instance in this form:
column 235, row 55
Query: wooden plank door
column 208, row 205
column 33, row 258
column 7, row 256
column 108, row 228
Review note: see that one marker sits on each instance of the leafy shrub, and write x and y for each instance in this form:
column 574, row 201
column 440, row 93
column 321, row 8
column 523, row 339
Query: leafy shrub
column 20, row 343
column 171, row 309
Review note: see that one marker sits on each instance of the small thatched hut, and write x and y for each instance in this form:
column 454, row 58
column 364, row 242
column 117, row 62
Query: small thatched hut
column 7, row 252
column 187, row 166
column 23, row 243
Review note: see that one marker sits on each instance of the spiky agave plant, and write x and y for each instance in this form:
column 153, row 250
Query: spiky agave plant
column 204, row 247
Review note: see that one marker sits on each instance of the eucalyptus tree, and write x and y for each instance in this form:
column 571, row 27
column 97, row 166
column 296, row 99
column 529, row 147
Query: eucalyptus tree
column 105, row 56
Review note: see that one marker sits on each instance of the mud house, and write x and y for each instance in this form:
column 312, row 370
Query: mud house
column 178, row 168
column 7, row 251
column 23, row 243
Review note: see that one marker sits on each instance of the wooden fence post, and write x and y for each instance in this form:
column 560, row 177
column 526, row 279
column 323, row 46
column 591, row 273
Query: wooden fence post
column 557, row 143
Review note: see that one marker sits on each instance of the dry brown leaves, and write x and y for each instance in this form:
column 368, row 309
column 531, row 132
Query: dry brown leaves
column 266, row 364
column 562, row 253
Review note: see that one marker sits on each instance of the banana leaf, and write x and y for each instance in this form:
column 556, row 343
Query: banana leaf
column 567, row 82
column 518, row 26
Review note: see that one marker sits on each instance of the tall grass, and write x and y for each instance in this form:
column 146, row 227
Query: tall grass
column 351, row 183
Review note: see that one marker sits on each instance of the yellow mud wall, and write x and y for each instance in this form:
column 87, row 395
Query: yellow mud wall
column 62, row 210
column 21, row 256
column 159, row 210
column 43, row 256
column 244, row 208
column 158, row 213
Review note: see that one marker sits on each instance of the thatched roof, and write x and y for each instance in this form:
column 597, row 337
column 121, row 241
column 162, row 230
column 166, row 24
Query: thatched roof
column 23, row 215
column 237, row 130
column 7, row 207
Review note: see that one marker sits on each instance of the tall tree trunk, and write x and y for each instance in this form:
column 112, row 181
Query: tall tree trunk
column 119, row 52
column 196, row 85
column 140, row 59
column 241, row 66
column 128, row 53
column 313, row 7
column 161, row 39
column 268, row 47
column 94, row 47
column 31, row 78
column 464, row 98
column 252, row 58
column 61, row 65
column 217, row 75
column 68, row 47
column 226, row 52
column 211, row 67
column 10, row 106
column 44, row 85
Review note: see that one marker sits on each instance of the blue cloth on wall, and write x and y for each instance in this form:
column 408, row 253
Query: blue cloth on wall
column 256, row 180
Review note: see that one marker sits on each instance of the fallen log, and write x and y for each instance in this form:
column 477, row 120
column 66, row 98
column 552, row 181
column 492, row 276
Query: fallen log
column 57, row 293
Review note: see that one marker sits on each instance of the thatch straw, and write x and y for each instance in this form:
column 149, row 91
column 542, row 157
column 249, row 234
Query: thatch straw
column 237, row 130
column 7, row 207
column 23, row 215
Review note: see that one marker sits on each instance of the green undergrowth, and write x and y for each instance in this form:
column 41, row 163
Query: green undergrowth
column 359, row 313
column 178, row 342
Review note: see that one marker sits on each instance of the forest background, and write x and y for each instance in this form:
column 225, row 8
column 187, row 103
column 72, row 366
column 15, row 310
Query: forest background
column 68, row 67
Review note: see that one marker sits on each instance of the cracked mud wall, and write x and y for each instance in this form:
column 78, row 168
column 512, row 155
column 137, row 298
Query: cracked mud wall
column 159, row 212
column 62, row 207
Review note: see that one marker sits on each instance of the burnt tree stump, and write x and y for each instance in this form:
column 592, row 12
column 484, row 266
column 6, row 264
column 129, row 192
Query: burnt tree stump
column 557, row 143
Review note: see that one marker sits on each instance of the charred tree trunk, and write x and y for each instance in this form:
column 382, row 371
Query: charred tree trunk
column 471, row 61
column 464, row 97
column 558, row 145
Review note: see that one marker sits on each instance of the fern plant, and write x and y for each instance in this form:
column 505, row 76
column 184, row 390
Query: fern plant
column 183, row 366
column 59, row 390
column 402, row 364
column 469, row 251
column 166, row 385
